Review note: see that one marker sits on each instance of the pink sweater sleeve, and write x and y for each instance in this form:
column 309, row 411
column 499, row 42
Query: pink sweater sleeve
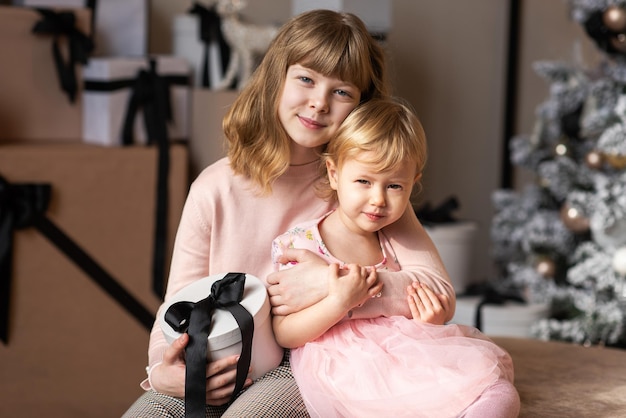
column 189, row 262
column 419, row 261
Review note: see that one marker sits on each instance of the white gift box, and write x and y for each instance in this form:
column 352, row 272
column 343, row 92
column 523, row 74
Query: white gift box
column 376, row 14
column 121, row 25
column 104, row 111
column 510, row 319
column 225, row 338
column 454, row 241
column 186, row 43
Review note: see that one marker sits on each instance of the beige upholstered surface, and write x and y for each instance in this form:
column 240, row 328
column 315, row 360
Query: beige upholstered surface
column 556, row 379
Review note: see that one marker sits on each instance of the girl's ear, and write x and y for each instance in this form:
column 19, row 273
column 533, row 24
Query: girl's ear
column 331, row 171
column 417, row 178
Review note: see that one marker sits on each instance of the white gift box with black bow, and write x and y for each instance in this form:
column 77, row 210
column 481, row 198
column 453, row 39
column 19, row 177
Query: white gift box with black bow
column 510, row 319
column 121, row 25
column 225, row 337
column 108, row 91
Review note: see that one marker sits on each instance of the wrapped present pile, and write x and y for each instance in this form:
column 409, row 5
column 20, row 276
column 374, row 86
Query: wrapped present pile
column 98, row 142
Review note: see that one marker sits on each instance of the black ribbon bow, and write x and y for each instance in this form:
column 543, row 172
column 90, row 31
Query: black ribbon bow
column 195, row 319
column 80, row 46
column 440, row 214
column 210, row 29
column 151, row 94
column 19, row 206
column 23, row 206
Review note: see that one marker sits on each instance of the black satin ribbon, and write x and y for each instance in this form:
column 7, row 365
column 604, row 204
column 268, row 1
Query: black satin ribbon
column 19, row 206
column 93, row 6
column 195, row 319
column 80, row 46
column 439, row 214
column 23, row 206
column 210, row 30
column 493, row 297
column 150, row 92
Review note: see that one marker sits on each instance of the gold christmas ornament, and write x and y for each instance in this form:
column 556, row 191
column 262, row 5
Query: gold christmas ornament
column 573, row 219
column 617, row 161
column 545, row 266
column 619, row 42
column 614, row 18
column 594, row 160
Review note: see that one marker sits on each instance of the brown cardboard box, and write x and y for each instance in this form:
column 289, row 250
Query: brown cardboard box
column 33, row 106
column 206, row 144
column 73, row 350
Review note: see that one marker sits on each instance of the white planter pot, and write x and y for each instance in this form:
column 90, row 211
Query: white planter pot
column 455, row 241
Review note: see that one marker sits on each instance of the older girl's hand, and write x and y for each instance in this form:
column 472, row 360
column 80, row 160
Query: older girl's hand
column 300, row 286
column 168, row 377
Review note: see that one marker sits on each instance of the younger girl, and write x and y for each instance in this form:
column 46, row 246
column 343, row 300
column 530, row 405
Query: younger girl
column 387, row 366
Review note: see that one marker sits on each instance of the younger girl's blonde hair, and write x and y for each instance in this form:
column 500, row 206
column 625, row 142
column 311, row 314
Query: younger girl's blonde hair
column 387, row 130
column 331, row 43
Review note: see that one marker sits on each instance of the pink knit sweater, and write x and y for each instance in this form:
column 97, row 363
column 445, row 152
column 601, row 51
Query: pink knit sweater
column 227, row 226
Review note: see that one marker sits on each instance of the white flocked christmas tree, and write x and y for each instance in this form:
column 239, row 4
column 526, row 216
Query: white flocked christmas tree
column 562, row 239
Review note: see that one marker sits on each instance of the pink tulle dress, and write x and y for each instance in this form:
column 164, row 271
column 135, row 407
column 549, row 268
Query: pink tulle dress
column 390, row 366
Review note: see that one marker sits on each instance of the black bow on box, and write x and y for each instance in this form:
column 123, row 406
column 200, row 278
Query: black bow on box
column 195, row 319
column 80, row 46
column 20, row 205
column 439, row 214
column 23, row 206
column 210, row 30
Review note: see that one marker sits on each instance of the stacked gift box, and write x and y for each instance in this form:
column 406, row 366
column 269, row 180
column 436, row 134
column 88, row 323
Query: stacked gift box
column 96, row 137
column 500, row 316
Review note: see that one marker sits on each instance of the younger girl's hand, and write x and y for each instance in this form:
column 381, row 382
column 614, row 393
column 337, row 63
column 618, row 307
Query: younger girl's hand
column 425, row 305
column 353, row 284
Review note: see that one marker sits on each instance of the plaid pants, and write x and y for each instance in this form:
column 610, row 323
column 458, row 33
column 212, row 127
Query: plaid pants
column 273, row 395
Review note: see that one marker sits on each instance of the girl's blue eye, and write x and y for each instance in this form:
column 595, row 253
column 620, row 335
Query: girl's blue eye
column 395, row 186
column 344, row 93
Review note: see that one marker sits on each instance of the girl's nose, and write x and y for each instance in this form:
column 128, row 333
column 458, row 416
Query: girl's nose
column 319, row 101
column 377, row 197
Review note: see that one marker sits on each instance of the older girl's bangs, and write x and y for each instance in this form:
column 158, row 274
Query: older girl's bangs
column 338, row 56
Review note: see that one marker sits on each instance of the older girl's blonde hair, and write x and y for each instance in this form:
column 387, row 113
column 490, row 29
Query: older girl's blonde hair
column 331, row 43
column 387, row 130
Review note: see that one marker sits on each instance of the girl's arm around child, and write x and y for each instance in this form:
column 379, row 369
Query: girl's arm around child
column 306, row 282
